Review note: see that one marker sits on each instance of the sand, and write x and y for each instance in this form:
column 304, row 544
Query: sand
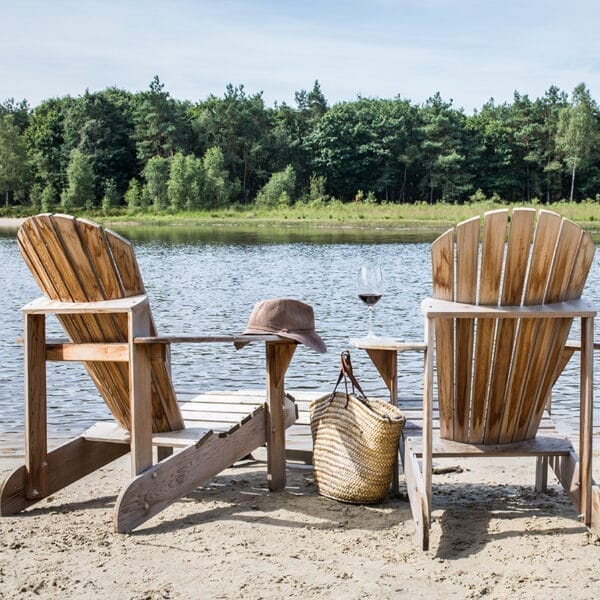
column 234, row 539
column 10, row 222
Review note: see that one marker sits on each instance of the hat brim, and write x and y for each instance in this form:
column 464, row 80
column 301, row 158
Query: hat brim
column 312, row 340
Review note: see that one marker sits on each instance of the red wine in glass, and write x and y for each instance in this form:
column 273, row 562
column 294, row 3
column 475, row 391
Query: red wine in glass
column 370, row 299
column 370, row 289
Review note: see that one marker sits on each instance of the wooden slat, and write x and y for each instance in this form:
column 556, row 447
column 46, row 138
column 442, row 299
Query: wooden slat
column 173, row 477
column 442, row 264
column 110, row 432
column 524, row 363
column 43, row 306
column 542, row 445
column 420, row 504
column 438, row 309
column 492, row 255
column 202, row 339
column 92, row 240
column 87, row 352
column 82, row 262
column 385, row 344
column 467, row 249
column 515, row 270
column 552, row 336
column 569, row 287
column 41, row 233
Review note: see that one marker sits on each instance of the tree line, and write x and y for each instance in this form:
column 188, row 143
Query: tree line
column 150, row 151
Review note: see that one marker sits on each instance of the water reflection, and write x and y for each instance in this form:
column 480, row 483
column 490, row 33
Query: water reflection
column 274, row 234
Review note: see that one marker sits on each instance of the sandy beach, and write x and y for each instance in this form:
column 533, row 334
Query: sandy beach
column 10, row 222
column 234, row 539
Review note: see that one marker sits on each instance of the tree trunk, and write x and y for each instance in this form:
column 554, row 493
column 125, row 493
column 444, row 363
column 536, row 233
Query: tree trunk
column 403, row 189
column 572, row 182
column 6, row 199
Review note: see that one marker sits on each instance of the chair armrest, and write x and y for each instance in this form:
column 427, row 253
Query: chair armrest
column 194, row 339
column 434, row 309
column 575, row 345
column 387, row 344
column 43, row 306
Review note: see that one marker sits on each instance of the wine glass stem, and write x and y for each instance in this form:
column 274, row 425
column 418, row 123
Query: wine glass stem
column 370, row 334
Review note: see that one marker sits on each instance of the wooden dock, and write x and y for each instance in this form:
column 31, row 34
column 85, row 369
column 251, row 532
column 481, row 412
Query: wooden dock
column 220, row 410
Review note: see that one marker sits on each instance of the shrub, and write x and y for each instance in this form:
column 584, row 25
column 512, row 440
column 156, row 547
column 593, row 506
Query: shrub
column 111, row 198
column 279, row 190
column 133, row 195
column 478, row 196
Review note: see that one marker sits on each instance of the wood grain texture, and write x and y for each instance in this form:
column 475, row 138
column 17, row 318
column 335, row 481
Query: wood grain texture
column 74, row 260
column 66, row 464
column 278, row 357
column 140, row 391
column 524, row 365
column 515, row 271
column 173, row 477
column 36, row 442
column 420, row 502
column 467, row 250
column 442, row 267
column 552, row 336
column 492, row 255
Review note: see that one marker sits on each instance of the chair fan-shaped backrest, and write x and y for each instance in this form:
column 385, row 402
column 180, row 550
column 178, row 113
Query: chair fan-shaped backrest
column 494, row 376
column 74, row 260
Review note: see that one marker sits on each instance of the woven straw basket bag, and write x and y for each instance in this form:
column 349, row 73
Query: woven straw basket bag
column 355, row 442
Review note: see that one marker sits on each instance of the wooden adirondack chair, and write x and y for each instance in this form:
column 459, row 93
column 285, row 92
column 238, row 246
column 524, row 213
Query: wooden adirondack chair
column 92, row 283
column 504, row 299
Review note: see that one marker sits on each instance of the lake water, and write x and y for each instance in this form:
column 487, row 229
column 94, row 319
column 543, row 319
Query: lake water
column 206, row 280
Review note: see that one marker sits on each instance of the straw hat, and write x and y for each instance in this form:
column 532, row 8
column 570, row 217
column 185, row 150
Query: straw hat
column 288, row 318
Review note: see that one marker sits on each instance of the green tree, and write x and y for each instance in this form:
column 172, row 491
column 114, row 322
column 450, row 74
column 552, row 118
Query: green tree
column 35, row 197
column 101, row 126
column 186, row 182
column 134, row 196
column 14, row 167
column 240, row 126
column 577, row 131
column 45, row 142
column 19, row 112
column 367, row 144
column 111, row 198
column 48, row 198
column 279, row 190
column 156, row 174
column 79, row 192
column 162, row 125
column 218, row 189
column 443, row 152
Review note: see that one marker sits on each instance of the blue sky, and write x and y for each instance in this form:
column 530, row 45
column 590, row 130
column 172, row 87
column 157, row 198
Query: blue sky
column 468, row 50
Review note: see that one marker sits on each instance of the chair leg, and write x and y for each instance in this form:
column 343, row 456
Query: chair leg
column 541, row 474
column 65, row 465
column 36, row 447
column 420, row 501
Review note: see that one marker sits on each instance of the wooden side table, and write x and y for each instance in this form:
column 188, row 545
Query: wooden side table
column 383, row 352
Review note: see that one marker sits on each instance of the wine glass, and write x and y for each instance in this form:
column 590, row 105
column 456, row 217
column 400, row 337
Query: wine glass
column 370, row 289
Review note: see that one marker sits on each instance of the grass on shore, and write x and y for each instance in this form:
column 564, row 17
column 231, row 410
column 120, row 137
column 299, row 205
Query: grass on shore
column 338, row 215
